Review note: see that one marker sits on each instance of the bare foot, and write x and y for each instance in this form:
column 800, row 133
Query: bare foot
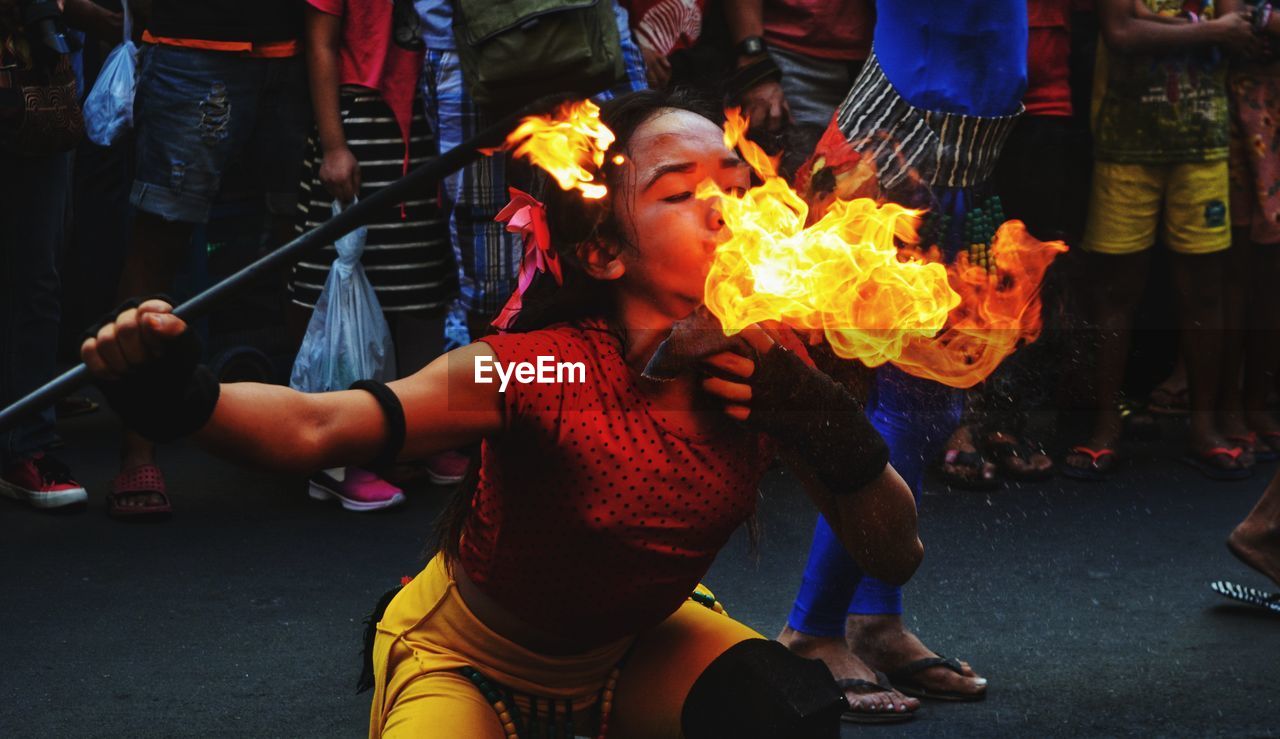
column 834, row 652
column 1018, row 459
column 885, row 644
column 1203, row 442
column 1257, row 545
column 978, row 474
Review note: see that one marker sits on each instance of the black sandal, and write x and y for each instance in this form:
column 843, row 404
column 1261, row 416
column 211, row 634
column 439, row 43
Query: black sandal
column 905, row 680
column 1004, row 451
column 969, row 460
column 866, row 687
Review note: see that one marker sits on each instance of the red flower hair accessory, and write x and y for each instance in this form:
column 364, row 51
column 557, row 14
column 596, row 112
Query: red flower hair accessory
column 526, row 216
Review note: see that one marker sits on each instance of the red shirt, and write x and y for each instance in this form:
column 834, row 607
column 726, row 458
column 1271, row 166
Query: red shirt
column 370, row 59
column 592, row 519
column 827, row 29
column 1048, row 48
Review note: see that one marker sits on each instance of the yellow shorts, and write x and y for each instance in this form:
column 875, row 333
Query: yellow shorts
column 428, row 632
column 1127, row 200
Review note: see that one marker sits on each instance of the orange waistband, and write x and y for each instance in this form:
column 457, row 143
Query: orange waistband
column 265, row 50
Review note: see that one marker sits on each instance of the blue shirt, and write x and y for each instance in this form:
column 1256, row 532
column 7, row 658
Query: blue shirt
column 954, row 56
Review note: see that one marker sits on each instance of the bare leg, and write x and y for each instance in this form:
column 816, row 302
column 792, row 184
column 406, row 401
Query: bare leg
column 1262, row 344
column 1256, row 540
column 1199, row 282
column 1237, row 302
column 1118, row 288
column 158, row 250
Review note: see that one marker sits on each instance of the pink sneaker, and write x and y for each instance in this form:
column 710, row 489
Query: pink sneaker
column 42, row 481
column 358, row 489
column 447, row 468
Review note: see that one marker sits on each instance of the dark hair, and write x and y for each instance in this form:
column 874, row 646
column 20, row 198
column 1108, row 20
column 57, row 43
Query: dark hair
column 574, row 221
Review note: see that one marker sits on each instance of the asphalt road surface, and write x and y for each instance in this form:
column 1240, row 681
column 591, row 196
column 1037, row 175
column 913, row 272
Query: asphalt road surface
column 1086, row 605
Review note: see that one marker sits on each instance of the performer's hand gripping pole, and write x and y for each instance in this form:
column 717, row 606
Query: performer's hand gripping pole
column 348, row 220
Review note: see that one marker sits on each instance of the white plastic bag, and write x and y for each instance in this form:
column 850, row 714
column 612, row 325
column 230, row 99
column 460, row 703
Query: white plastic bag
column 348, row 338
column 108, row 108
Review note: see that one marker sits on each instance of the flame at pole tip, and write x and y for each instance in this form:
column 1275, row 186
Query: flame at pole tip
column 569, row 145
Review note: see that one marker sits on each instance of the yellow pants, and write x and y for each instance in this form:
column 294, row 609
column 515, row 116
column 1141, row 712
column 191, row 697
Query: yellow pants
column 427, row 633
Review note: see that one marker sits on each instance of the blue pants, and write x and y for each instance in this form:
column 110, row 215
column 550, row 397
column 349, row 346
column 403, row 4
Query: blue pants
column 915, row 416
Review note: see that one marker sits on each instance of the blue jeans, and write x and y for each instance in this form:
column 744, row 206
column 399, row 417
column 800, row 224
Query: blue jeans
column 486, row 253
column 201, row 113
column 915, row 416
column 33, row 203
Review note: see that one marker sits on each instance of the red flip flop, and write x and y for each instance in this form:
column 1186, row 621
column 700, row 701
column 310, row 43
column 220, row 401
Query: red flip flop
column 141, row 480
column 1097, row 470
column 1212, row 465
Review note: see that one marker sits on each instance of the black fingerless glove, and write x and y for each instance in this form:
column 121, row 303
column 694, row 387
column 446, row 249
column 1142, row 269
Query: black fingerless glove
column 170, row 396
column 807, row 412
column 761, row 70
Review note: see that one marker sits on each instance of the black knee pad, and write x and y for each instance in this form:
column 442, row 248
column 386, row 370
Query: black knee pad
column 758, row 689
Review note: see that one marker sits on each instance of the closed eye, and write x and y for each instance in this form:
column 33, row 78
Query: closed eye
column 678, row 197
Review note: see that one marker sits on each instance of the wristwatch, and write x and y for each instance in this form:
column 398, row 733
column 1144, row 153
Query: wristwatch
column 752, row 46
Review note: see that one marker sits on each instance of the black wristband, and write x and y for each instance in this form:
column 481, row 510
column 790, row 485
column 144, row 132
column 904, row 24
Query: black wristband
column 168, row 397
column 110, row 317
column 813, row 415
column 751, row 75
column 393, row 415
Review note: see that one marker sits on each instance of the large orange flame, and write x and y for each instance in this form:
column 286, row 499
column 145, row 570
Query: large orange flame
column 569, row 144
column 846, row 276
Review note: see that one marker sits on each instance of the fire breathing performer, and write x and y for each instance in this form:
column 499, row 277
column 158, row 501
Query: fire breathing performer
column 922, row 126
column 565, row 597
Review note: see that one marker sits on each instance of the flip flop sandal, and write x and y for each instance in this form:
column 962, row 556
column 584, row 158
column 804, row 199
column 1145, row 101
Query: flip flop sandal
column 906, row 681
column 970, row 460
column 1244, row 594
column 1139, row 423
column 1169, row 402
column 75, row 405
column 1096, row 471
column 1265, row 449
column 141, row 480
column 866, row 687
column 1004, row 451
column 1210, row 464
column 1249, row 443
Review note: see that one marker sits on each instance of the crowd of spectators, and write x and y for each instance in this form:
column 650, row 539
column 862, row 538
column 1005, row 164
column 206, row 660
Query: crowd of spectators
column 1125, row 125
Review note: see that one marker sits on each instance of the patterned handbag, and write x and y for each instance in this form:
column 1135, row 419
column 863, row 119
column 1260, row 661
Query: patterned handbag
column 39, row 107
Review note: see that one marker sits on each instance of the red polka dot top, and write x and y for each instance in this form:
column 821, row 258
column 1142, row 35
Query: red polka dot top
column 591, row 519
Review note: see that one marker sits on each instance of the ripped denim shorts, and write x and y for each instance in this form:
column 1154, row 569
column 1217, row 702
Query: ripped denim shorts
column 211, row 120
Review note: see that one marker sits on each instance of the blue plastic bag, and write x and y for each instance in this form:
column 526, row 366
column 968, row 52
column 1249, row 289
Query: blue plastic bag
column 348, row 338
column 108, row 108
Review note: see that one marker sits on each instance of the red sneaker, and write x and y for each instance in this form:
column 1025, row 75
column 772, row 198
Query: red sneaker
column 41, row 481
column 447, row 468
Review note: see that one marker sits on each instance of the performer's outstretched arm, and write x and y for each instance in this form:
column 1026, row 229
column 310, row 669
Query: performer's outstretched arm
column 274, row 426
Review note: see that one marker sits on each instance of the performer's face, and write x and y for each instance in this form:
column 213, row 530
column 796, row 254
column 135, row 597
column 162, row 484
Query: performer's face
column 674, row 233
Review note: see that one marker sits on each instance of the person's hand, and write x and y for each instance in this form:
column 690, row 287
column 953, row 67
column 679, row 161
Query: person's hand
column 733, row 371
column 1235, row 32
column 340, row 174
column 766, row 108
column 136, row 337
column 657, row 68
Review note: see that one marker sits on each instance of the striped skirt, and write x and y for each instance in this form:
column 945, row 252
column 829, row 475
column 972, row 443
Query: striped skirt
column 407, row 255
